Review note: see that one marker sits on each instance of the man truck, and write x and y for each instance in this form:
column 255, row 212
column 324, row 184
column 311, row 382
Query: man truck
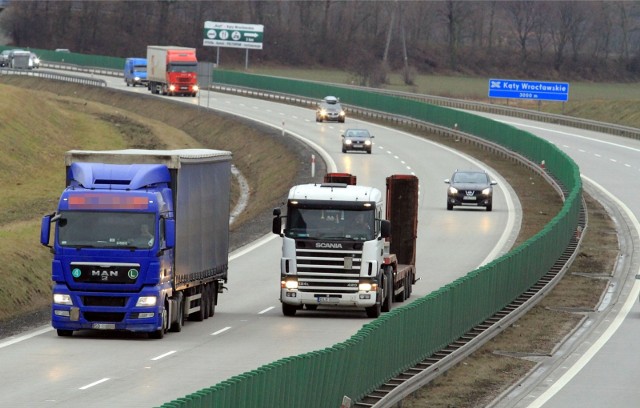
column 140, row 239
column 135, row 71
column 172, row 70
column 339, row 251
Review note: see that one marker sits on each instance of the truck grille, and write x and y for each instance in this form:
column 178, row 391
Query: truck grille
column 328, row 271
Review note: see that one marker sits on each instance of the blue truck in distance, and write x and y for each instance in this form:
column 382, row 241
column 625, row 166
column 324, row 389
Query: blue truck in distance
column 135, row 71
column 140, row 239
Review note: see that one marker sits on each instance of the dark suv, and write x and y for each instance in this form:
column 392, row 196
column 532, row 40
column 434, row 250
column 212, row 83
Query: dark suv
column 357, row 139
column 470, row 188
column 329, row 109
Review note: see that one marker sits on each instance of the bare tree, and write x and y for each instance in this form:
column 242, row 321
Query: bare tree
column 523, row 20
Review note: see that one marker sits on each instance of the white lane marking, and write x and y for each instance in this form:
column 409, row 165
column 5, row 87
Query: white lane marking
column 266, row 310
column 613, row 327
column 15, row 340
column 221, row 331
column 94, row 384
column 163, row 355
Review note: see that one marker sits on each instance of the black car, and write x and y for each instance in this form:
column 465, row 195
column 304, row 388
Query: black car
column 470, row 188
column 329, row 109
column 357, row 139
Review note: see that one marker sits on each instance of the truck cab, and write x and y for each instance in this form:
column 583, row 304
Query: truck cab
column 135, row 71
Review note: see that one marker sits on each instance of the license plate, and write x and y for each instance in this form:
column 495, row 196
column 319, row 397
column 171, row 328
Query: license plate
column 469, row 198
column 104, row 326
column 327, row 300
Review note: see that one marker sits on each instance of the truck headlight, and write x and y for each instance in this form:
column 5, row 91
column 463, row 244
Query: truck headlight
column 61, row 299
column 172, row 88
column 146, row 301
column 195, row 87
column 367, row 286
column 289, row 284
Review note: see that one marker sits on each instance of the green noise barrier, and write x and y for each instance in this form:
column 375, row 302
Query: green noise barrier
column 399, row 339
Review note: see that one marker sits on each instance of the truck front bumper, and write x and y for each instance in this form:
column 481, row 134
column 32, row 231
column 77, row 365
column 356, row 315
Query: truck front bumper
column 297, row 298
column 106, row 311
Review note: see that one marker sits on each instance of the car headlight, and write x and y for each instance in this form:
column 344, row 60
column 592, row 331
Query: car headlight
column 453, row 190
column 347, row 142
column 367, row 143
column 146, row 301
column 486, row 191
column 323, row 112
column 62, row 299
column 342, row 113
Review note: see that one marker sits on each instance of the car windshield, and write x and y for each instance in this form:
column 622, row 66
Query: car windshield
column 330, row 224
column 105, row 229
column 358, row 133
column 471, row 178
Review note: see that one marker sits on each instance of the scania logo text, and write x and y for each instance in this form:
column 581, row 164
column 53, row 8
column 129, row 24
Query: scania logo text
column 331, row 245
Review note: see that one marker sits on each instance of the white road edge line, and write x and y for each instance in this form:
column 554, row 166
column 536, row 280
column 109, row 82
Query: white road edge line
column 613, row 327
column 15, row 340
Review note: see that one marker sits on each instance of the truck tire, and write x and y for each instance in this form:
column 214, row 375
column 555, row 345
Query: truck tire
column 159, row 334
column 65, row 333
column 289, row 310
column 213, row 300
column 177, row 325
column 374, row 311
column 400, row 297
column 388, row 289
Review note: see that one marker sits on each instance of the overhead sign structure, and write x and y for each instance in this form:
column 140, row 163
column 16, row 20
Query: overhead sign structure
column 544, row 91
column 233, row 35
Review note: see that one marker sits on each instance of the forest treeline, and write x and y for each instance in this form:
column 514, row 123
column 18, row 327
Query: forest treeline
column 546, row 40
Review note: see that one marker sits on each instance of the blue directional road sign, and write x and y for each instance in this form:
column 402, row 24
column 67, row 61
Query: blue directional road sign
column 544, row 91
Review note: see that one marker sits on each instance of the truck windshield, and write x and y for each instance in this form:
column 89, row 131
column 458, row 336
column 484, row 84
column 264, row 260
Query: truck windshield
column 330, row 224
column 186, row 67
column 91, row 229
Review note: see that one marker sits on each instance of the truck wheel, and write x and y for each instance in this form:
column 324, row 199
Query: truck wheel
column 388, row 288
column 177, row 325
column 158, row 334
column 289, row 310
column 400, row 297
column 213, row 300
column 65, row 333
column 374, row 311
column 199, row 315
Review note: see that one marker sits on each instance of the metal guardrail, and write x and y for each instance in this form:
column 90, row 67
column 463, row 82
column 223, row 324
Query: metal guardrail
column 83, row 80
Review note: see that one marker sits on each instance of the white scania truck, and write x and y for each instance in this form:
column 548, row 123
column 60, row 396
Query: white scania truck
column 340, row 251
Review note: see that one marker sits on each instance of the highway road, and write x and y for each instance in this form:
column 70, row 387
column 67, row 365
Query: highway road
column 100, row 369
column 599, row 367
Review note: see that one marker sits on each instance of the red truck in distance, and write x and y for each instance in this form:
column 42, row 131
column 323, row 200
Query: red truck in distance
column 172, row 70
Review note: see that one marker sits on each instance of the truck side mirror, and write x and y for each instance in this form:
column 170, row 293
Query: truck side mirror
column 170, row 233
column 45, row 230
column 385, row 228
column 276, row 226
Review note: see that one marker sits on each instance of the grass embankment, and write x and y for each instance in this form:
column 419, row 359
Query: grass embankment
column 41, row 120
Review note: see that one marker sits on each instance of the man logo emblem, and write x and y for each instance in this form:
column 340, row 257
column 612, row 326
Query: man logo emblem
column 133, row 273
column 76, row 273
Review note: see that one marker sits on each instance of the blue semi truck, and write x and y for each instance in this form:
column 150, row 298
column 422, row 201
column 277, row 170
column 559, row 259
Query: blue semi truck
column 135, row 71
column 140, row 239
